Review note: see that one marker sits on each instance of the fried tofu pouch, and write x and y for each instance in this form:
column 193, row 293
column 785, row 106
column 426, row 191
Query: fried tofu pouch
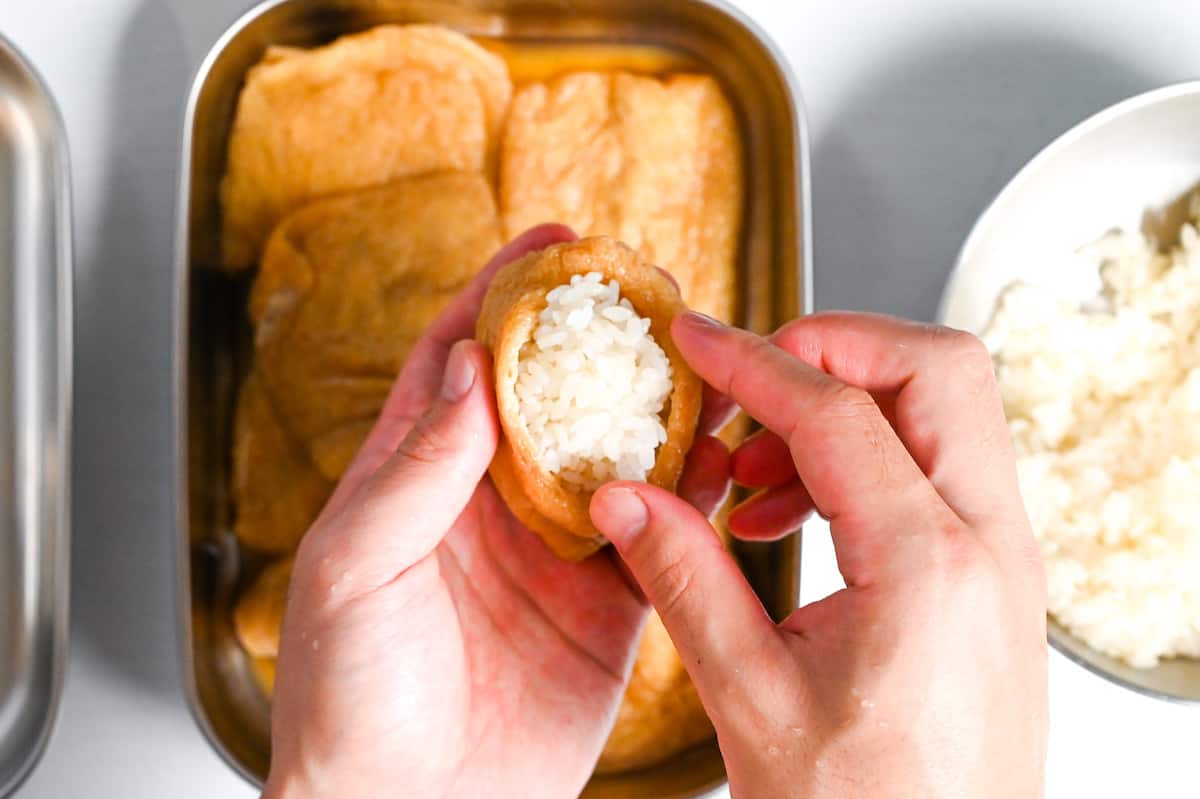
column 362, row 111
column 258, row 615
column 276, row 488
column 660, row 713
column 347, row 286
column 555, row 510
column 655, row 163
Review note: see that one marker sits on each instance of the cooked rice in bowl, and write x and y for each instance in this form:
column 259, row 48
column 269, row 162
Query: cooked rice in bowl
column 1103, row 402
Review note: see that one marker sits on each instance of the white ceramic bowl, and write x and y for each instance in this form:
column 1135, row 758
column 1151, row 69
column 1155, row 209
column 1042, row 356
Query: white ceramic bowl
column 1107, row 172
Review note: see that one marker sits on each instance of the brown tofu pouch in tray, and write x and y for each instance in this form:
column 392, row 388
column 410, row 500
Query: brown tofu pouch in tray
column 767, row 243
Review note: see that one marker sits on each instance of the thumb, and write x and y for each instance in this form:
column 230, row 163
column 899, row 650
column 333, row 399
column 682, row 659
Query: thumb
column 710, row 611
column 404, row 510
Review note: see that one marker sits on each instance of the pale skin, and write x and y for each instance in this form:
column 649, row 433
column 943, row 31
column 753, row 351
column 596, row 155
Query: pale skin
column 432, row 646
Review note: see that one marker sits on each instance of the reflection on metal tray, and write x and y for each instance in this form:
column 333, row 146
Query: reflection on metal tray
column 35, row 397
column 213, row 340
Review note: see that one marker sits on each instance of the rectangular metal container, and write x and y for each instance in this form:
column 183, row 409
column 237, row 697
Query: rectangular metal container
column 35, row 414
column 213, row 336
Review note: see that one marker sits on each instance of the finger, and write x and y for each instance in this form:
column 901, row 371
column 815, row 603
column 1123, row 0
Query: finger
column 772, row 514
column 417, row 385
column 837, row 438
column 855, row 468
column 764, row 460
column 710, row 611
column 761, row 461
column 704, row 483
column 402, row 511
column 716, row 411
column 941, row 386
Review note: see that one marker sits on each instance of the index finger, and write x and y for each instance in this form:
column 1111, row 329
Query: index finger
column 856, row 470
column 947, row 410
column 419, row 381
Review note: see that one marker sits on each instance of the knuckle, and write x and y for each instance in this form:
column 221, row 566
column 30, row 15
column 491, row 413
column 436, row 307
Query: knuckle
column 956, row 551
column 424, row 443
column 853, row 412
column 669, row 585
column 845, row 401
column 756, row 352
column 966, row 352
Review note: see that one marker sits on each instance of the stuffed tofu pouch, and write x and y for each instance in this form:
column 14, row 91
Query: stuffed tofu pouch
column 589, row 385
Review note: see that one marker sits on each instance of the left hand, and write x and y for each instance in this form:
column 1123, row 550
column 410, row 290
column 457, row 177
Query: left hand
column 432, row 645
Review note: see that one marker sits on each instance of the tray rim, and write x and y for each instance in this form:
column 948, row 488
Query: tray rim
column 60, row 527
column 802, row 189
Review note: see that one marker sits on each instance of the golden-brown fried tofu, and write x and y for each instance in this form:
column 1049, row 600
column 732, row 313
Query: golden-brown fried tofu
column 333, row 451
column 655, row 163
column 277, row 491
column 362, row 111
column 346, row 287
column 258, row 616
column 554, row 509
column 661, row 714
column 263, row 671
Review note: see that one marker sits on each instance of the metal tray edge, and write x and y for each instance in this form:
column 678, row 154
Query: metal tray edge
column 179, row 354
column 64, row 277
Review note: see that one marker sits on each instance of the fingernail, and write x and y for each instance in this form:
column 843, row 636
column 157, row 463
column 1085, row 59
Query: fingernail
column 623, row 514
column 701, row 320
column 460, row 373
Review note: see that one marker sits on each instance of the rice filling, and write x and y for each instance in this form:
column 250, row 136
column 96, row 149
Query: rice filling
column 592, row 384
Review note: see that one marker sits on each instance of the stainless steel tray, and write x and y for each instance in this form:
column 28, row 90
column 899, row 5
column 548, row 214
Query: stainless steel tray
column 35, row 413
column 212, row 337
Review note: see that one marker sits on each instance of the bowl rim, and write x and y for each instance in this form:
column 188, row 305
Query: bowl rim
column 1060, row 142
column 1056, row 633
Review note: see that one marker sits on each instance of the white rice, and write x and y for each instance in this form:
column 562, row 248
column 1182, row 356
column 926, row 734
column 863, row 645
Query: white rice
column 1103, row 401
column 592, row 384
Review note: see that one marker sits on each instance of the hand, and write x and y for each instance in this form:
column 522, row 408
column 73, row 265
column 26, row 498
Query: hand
column 926, row 675
column 432, row 646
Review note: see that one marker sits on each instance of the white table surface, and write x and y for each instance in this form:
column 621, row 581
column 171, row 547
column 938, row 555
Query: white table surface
column 919, row 112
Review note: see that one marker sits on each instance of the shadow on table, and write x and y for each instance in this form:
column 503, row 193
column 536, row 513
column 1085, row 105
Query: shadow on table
column 913, row 156
column 122, row 551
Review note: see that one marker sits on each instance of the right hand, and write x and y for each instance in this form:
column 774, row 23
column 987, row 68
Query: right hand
column 926, row 675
